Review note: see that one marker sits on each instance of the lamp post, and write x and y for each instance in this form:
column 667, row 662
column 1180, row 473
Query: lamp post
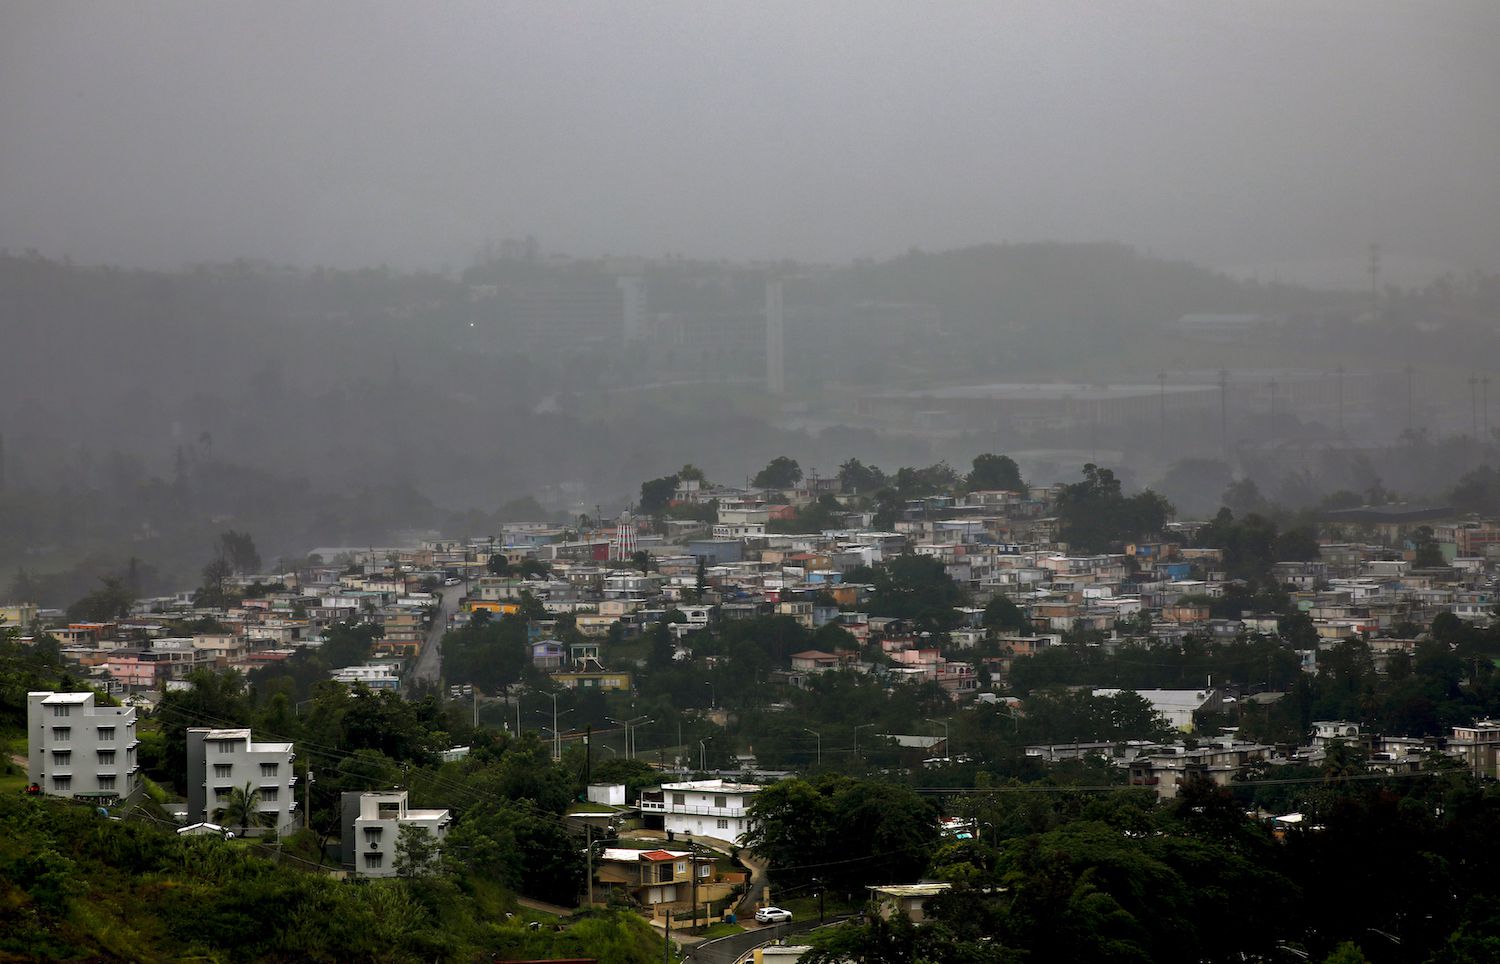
column 556, row 733
column 630, row 726
column 947, row 748
column 703, row 754
column 713, row 695
column 857, row 728
column 820, row 743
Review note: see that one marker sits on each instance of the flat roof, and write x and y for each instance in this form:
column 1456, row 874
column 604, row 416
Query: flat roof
column 54, row 699
column 910, row 890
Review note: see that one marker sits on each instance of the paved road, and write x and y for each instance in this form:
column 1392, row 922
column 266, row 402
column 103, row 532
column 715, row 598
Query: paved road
column 728, row 950
column 429, row 665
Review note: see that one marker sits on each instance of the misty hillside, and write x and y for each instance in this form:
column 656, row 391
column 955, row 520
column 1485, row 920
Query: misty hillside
column 152, row 409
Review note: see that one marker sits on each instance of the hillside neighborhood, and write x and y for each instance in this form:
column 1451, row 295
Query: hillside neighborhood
column 684, row 666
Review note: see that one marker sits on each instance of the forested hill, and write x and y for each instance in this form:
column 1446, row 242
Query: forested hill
column 1078, row 285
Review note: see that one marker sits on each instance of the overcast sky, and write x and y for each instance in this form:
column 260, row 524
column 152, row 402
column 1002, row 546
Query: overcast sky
column 1234, row 134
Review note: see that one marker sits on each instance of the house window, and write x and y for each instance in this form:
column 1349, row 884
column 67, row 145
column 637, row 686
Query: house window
column 720, row 801
column 225, row 747
column 106, row 783
column 372, row 835
column 268, row 769
column 62, row 734
column 61, row 711
column 723, row 824
column 107, row 758
column 106, row 734
column 372, row 861
column 62, row 784
column 221, row 794
column 679, row 799
column 681, row 867
column 223, row 771
column 268, row 794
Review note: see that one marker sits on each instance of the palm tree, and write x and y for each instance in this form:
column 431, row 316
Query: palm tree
column 242, row 809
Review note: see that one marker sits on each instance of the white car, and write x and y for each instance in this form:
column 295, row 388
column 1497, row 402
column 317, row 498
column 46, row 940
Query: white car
column 773, row 915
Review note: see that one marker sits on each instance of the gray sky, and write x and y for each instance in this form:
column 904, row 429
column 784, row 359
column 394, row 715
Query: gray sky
column 351, row 133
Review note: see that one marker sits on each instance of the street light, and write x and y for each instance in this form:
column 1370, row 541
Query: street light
column 857, row 728
column 630, row 726
column 703, row 754
column 947, row 748
column 820, row 743
column 556, row 734
column 713, row 695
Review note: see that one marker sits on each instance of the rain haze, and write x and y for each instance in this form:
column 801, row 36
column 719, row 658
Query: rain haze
column 1286, row 135
column 562, row 249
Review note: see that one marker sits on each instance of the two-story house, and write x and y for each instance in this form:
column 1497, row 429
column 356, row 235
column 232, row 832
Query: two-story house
column 77, row 748
column 703, row 808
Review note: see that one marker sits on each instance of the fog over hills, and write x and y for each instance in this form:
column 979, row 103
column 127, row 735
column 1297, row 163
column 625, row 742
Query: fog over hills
column 330, row 272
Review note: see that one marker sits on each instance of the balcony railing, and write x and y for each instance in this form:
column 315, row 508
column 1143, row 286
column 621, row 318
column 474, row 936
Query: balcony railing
column 659, row 806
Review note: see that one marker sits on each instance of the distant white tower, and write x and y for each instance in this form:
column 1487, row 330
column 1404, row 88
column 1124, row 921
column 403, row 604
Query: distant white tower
column 624, row 541
column 775, row 347
column 633, row 291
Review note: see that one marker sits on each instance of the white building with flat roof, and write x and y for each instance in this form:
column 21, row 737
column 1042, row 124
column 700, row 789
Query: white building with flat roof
column 704, row 808
column 77, row 748
column 218, row 761
column 372, row 823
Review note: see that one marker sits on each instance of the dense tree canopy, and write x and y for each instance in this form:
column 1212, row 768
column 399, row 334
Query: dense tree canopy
column 1095, row 516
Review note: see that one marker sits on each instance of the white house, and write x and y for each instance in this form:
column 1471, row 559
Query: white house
column 218, row 761
column 1178, row 706
column 703, row 808
column 76, row 748
column 372, row 823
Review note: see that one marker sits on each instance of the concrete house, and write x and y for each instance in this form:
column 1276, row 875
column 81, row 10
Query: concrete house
column 76, row 748
column 218, row 761
column 372, row 823
column 703, row 808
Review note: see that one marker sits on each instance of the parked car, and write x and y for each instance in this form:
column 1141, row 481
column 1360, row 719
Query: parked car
column 773, row 915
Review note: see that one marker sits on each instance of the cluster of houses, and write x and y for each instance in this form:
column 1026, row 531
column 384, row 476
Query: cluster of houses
column 731, row 558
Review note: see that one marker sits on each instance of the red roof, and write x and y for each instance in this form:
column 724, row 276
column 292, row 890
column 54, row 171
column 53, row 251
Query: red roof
column 658, row 855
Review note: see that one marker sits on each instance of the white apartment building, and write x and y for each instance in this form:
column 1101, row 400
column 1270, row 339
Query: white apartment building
column 220, row 760
column 703, row 808
column 76, row 748
column 372, row 823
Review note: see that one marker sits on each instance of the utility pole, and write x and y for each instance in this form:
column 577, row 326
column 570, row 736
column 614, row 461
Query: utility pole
column 588, row 765
column 693, row 869
column 1224, row 411
column 1474, row 407
column 588, row 836
column 947, row 747
column 1341, row 399
column 307, row 802
column 1161, row 380
column 1411, row 394
column 666, row 943
column 820, row 743
column 556, row 736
